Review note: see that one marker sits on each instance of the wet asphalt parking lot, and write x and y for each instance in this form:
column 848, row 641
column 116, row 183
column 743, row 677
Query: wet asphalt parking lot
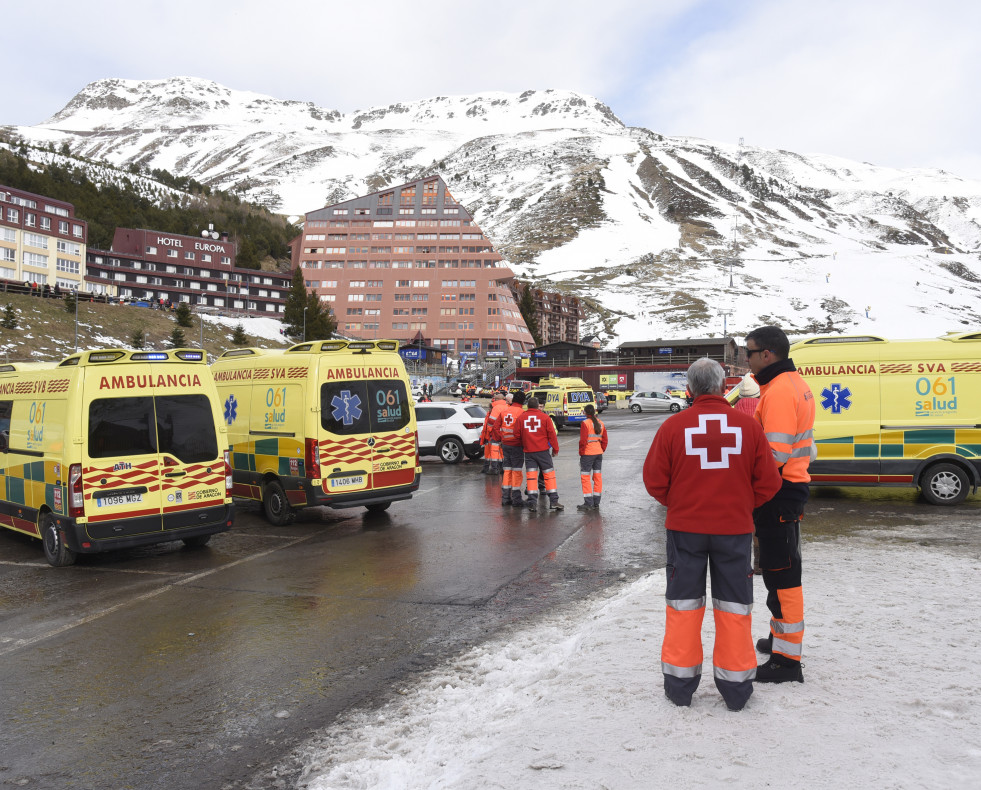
column 204, row 668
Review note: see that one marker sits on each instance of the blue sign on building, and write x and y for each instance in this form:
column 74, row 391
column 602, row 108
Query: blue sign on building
column 411, row 353
column 540, row 353
column 664, row 351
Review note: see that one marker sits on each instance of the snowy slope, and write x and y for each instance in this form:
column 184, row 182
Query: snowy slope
column 649, row 230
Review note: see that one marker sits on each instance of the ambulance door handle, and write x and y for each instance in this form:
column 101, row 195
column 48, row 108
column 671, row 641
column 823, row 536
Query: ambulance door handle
column 175, row 474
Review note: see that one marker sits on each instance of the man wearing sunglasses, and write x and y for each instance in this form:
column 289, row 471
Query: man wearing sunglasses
column 786, row 412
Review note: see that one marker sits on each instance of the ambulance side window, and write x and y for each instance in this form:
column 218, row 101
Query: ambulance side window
column 121, row 426
column 6, row 408
column 186, row 427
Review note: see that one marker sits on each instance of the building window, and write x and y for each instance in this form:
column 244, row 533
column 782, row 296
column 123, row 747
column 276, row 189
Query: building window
column 35, row 259
column 69, row 248
column 188, row 256
column 64, row 265
column 62, row 227
column 45, row 223
column 226, row 260
column 77, row 231
column 13, row 216
column 36, row 240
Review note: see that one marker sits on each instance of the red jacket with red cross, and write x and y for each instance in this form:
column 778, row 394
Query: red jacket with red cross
column 537, row 432
column 710, row 466
column 506, row 425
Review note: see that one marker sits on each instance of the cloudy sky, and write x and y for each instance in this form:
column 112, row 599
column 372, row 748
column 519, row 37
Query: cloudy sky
column 891, row 82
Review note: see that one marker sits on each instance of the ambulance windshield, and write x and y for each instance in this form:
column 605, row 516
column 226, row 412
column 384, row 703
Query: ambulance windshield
column 353, row 407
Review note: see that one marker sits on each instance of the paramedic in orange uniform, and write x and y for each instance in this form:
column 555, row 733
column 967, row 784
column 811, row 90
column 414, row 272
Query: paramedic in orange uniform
column 786, row 412
column 505, row 431
column 493, row 458
column 710, row 466
column 593, row 440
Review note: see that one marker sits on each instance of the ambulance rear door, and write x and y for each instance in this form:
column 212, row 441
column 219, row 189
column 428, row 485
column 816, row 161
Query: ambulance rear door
column 368, row 442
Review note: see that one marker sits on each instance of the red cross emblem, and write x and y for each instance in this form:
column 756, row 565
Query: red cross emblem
column 509, row 419
column 713, row 441
column 532, row 424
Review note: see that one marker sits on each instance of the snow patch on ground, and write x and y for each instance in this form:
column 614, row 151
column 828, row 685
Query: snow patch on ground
column 576, row 700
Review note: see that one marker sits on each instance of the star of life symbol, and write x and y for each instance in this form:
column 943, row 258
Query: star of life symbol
column 532, row 424
column 346, row 407
column 714, row 439
column 231, row 409
column 836, row 398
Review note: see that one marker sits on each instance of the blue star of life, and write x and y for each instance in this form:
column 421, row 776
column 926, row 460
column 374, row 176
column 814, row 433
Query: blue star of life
column 346, row 407
column 836, row 398
column 231, row 409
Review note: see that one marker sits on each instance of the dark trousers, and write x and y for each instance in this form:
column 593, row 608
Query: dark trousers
column 729, row 560
column 778, row 530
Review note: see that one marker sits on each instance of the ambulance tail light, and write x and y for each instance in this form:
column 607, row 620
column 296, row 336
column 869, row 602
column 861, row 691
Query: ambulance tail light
column 229, row 482
column 76, row 501
column 313, row 459
column 565, row 404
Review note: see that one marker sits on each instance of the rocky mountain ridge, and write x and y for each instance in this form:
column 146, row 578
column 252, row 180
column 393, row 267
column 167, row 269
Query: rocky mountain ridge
column 662, row 237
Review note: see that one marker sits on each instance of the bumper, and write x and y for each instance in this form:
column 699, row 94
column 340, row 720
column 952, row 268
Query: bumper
column 316, row 496
column 129, row 533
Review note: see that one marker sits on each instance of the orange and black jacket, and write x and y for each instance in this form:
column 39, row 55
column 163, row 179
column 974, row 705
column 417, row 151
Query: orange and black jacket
column 786, row 412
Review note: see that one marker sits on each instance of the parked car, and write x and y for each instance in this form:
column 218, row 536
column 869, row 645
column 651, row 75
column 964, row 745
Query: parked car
column 601, row 401
column 450, row 430
column 655, row 401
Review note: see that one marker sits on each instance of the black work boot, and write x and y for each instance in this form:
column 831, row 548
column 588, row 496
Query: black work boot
column 765, row 645
column 779, row 670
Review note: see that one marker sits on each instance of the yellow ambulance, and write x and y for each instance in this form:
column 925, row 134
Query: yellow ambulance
column 563, row 399
column 896, row 412
column 112, row 449
column 324, row 423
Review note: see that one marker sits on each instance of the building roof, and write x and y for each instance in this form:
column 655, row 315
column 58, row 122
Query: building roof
column 697, row 341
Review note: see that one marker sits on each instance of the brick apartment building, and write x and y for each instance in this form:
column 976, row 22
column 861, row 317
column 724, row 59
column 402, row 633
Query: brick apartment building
column 41, row 240
column 558, row 315
column 200, row 270
column 410, row 263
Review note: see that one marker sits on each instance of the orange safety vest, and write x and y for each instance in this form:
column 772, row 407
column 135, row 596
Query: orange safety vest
column 507, row 423
column 786, row 412
column 594, row 441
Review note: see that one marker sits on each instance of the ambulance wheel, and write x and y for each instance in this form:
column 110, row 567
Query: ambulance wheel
column 450, row 450
column 276, row 506
column 675, row 407
column 197, row 541
column 635, row 408
column 379, row 507
column 944, row 484
column 55, row 550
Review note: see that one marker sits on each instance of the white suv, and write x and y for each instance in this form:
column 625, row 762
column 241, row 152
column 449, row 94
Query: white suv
column 655, row 401
column 450, row 430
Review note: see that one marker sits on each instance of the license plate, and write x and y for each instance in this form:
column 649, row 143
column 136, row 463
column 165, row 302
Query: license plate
column 347, row 482
column 123, row 499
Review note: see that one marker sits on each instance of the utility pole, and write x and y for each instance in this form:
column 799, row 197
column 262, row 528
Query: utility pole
column 76, row 320
column 304, row 324
column 725, row 314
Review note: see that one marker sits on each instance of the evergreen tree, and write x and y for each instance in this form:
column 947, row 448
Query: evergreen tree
column 138, row 338
column 320, row 324
column 70, row 300
column 183, row 315
column 239, row 338
column 526, row 306
column 177, row 338
column 9, row 320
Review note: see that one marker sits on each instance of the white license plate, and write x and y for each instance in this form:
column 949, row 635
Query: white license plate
column 125, row 499
column 347, row 482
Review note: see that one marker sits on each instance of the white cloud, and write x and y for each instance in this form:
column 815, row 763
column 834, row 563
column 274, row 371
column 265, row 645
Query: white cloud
column 885, row 82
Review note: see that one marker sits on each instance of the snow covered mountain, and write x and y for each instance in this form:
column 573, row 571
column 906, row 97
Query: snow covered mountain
column 663, row 237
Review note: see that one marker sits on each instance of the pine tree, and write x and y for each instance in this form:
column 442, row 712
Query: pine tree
column 177, row 338
column 70, row 300
column 239, row 338
column 9, row 320
column 138, row 338
column 183, row 315
column 528, row 312
column 320, row 324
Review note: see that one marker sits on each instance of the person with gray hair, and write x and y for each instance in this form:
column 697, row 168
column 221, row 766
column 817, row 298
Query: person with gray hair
column 710, row 466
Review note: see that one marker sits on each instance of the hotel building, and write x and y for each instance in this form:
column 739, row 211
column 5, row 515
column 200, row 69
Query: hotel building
column 41, row 240
column 409, row 263
column 152, row 265
column 558, row 315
